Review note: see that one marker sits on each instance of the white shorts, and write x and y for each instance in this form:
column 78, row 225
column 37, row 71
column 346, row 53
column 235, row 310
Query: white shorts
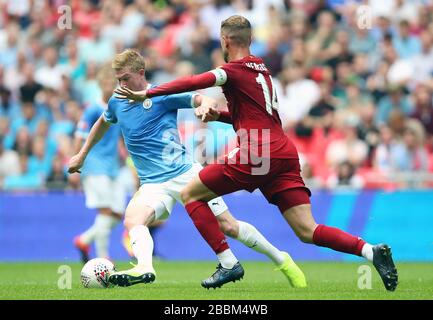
column 104, row 192
column 162, row 196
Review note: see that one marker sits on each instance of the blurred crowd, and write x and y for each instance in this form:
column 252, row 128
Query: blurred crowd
column 354, row 79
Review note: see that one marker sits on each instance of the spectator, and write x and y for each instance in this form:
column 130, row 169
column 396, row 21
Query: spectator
column 39, row 162
column 424, row 108
column 361, row 41
column 50, row 75
column 25, row 180
column 345, row 177
column 273, row 57
column 30, row 88
column 368, row 132
column 400, row 70
column 57, row 180
column 9, row 161
column 422, row 63
column 377, row 82
column 352, row 99
column 88, row 87
column 294, row 106
column 413, row 156
column 320, row 115
column 9, row 54
column 73, row 65
column 199, row 52
column 320, row 41
column 96, row 48
column 311, row 180
column 348, row 147
column 405, row 11
column 13, row 77
column 385, row 155
column 405, row 44
column 395, row 100
column 382, row 27
column 23, row 142
column 6, row 102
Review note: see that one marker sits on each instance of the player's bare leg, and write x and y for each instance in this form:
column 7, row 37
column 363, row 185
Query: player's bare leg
column 137, row 217
column 195, row 197
column 252, row 238
column 195, row 190
column 302, row 222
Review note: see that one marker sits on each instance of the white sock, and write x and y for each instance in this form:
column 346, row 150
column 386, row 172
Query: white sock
column 227, row 259
column 89, row 235
column 142, row 245
column 367, row 252
column 104, row 225
column 252, row 238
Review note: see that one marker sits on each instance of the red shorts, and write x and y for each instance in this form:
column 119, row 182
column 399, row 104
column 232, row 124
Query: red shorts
column 282, row 185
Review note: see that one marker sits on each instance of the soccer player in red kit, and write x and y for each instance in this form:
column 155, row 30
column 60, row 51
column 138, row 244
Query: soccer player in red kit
column 265, row 158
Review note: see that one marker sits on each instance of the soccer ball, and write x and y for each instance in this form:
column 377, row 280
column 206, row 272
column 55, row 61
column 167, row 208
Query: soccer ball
column 96, row 272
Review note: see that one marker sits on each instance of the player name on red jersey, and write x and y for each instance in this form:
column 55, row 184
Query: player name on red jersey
column 256, row 66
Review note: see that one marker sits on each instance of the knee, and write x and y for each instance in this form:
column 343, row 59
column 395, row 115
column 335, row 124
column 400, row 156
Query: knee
column 229, row 229
column 305, row 234
column 129, row 223
column 137, row 216
column 185, row 196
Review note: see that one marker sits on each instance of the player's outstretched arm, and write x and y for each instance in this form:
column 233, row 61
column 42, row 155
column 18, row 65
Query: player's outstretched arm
column 185, row 84
column 216, row 77
column 96, row 133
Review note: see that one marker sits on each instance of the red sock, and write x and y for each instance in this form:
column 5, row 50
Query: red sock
column 206, row 223
column 338, row 240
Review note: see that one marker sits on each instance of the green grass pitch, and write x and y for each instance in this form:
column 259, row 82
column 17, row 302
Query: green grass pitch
column 181, row 281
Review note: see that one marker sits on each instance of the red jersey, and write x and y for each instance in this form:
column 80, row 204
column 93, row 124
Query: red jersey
column 252, row 103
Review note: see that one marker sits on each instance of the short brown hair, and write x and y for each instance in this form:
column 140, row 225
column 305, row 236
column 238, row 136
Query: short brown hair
column 237, row 29
column 129, row 58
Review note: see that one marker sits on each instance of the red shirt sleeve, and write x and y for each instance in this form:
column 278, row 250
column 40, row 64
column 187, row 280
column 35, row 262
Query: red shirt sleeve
column 185, row 84
column 225, row 116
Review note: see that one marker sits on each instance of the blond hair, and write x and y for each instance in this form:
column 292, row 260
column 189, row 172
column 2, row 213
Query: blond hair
column 237, row 29
column 129, row 58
